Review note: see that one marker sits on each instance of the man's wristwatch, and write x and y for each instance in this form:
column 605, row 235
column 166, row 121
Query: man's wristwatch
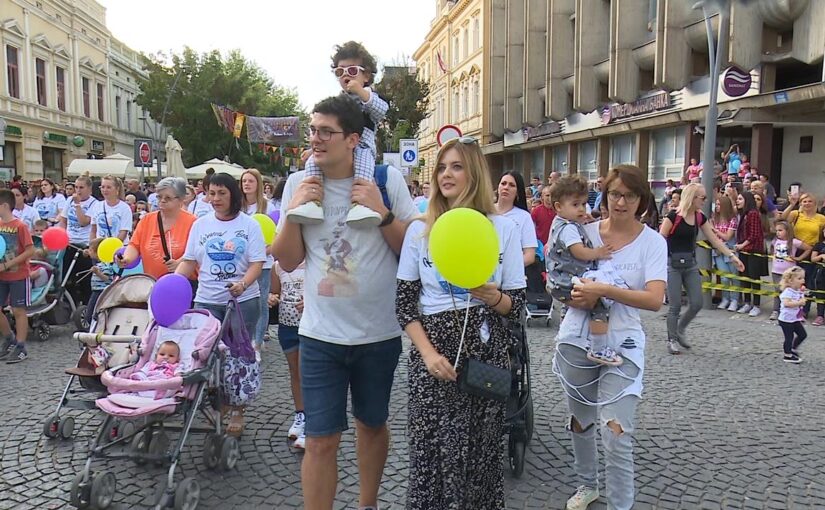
column 388, row 218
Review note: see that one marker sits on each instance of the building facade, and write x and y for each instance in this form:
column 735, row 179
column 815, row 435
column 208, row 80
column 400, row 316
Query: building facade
column 451, row 60
column 589, row 84
column 67, row 90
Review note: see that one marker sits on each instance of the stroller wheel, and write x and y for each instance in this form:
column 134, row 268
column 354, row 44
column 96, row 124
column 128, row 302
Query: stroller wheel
column 43, row 331
column 51, row 426
column 79, row 318
column 111, row 430
column 230, row 453
column 140, row 445
column 187, row 494
column 104, row 486
column 158, row 445
column 79, row 495
column 66, row 427
column 516, row 450
column 212, row 451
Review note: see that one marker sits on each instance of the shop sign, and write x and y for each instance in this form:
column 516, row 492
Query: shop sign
column 97, row 146
column 14, row 130
column 736, row 82
column 546, row 129
column 650, row 104
column 54, row 137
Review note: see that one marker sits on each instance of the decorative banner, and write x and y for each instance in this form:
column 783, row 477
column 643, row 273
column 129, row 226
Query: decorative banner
column 239, row 118
column 272, row 130
column 225, row 117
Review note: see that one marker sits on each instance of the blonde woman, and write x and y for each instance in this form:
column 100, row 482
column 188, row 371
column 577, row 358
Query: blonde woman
column 111, row 217
column 808, row 225
column 254, row 202
column 455, row 442
column 681, row 228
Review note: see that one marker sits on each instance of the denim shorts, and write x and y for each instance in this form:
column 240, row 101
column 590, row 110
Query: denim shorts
column 288, row 338
column 329, row 371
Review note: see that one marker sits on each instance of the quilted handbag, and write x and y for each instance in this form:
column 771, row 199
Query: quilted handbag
column 241, row 377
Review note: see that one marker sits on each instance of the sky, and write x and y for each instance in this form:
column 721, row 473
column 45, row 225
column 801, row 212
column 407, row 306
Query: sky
column 291, row 39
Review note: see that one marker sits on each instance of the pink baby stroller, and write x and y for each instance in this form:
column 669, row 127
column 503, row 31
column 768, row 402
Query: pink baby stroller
column 191, row 393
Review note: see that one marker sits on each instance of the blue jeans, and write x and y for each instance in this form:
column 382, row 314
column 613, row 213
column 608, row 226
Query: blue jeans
column 263, row 316
column 724, row 265
column 249, row 308
column 330, row 371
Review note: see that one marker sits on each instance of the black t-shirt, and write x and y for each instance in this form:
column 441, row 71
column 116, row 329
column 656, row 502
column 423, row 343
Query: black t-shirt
column 683, row 237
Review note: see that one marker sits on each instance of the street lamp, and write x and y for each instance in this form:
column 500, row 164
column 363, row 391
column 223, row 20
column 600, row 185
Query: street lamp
column 715, row 56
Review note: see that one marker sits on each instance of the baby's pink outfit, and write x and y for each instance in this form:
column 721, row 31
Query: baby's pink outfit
column 154, row 372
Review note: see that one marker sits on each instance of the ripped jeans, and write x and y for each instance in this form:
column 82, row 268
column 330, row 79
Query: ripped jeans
column 591, row 382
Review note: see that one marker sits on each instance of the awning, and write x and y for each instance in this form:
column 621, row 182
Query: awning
column 117, row 165
column 198, row 171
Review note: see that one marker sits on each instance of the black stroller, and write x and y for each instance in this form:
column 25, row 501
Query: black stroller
column 519, row 421
column 539, row 302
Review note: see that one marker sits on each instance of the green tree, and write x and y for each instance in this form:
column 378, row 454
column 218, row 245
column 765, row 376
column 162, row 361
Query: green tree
column 407, row 97
column 208, row 78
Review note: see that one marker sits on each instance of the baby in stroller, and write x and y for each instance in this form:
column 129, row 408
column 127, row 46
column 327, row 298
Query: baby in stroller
column 165, row 366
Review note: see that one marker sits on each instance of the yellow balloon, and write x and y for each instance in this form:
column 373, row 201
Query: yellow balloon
column 464, row 247
column 267, row 227
column 107, row 248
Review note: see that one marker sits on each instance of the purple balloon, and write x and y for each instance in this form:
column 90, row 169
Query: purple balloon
column 275, row 215
column 119, row 254
column 171, row 297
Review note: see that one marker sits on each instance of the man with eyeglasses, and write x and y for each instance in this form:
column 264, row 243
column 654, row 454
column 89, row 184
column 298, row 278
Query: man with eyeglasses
column 355, row 69
column 349, row 337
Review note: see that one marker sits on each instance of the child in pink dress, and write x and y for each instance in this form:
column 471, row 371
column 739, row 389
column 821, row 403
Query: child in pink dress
column 165, row 366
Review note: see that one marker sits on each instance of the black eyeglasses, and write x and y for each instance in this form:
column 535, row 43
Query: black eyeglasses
column 630, row 196
column 323, row 134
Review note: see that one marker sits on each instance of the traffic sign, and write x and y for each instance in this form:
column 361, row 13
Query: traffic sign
column 408, row 148
column 447, row 132
column 143, row 152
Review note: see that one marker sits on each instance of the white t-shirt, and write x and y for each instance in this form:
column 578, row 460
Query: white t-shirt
column 292, row 290
column 111, row 219
column 415, row 264
column 28, row 216
column 253, row 209
column 49, row 207
column 224, row 250
column 642, row 261
column 526, row 227
column 199, row 207
column 152, row 201
column 790, row 313
column 349, row 296
column 79, row 234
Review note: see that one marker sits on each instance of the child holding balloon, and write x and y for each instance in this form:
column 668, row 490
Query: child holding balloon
column 102, row 276
column 16, row 248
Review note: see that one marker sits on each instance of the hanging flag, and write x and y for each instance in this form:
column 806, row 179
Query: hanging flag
column 239, row 118
column 272, row 130
column 440, row 61
column 225, row 117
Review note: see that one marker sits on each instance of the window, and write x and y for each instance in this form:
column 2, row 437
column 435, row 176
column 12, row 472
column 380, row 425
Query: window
column 128, row 115
column 455, row 105
column 560, row 160
column 667, row 154
column 476, row 33
column 12, row 72
column 466, row 42
column 476, row 96
column 60, row 79
column 117, row 111
column 622, row 149
column 100, row 101
column 465, row 110
column 40, row 80
column 455, row 50
column 587, row 160
column 87, row 107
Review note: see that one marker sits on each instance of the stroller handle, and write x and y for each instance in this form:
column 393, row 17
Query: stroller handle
column 95, row 339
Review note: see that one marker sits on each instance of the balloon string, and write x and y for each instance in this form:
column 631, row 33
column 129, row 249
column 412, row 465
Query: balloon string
column 463, row 330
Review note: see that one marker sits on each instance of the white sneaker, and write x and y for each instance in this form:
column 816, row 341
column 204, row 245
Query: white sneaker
column 734, row 305
column 309, row 213
column 360, row 216
column 745, row 308
column 774, row 316
column 754, row 311
column 300, row 442
column 297, row 428
column 723, row 305
column 582, row 498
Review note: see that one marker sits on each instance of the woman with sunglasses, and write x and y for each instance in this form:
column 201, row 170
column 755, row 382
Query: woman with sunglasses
column 681, row 228
column 603, row 397
column 512, row 203
column 49, row 203
column 355, row 69
column 455, row 442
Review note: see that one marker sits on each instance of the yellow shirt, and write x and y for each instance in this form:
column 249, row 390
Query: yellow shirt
column 807, row 229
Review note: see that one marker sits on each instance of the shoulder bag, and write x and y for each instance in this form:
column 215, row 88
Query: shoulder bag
column 684, row 259
column 478, row 378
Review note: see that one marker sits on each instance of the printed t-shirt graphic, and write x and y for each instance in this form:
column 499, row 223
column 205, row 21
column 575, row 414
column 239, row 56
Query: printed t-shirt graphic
column 17, row 238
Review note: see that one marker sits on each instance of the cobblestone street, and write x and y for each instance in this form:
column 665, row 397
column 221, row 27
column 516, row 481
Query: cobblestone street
column 726, row 426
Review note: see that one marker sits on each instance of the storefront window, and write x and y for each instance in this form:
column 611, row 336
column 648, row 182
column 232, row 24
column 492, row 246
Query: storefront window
column 560, row 159
column 8, row 161
column 667, row 153
column 622, row 150
column 53, row 163
column 587, row 160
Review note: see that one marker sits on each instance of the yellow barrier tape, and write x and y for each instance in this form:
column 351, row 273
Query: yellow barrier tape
column 707, row 246
column 732, row 288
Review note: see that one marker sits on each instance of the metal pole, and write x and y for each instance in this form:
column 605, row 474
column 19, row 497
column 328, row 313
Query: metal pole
column 163, row 115
column 716, row 56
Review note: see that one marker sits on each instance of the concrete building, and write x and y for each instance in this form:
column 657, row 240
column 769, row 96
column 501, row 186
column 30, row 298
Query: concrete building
column 68, row 87
column 588, row 84
column 452, row 60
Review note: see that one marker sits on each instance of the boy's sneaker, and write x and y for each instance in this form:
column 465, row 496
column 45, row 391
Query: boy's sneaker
column 582, row 498
column 6, row 346
column 309, row 213
column 297, row 428
column 793, row 358
column 744, row 308
column 673, row 347
column 17, row 354
column 754, row 311
column 774, row 315
column 734, row 306
column 300, row 442
column 606, row 356
column 360, row 216
column 723, row 305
